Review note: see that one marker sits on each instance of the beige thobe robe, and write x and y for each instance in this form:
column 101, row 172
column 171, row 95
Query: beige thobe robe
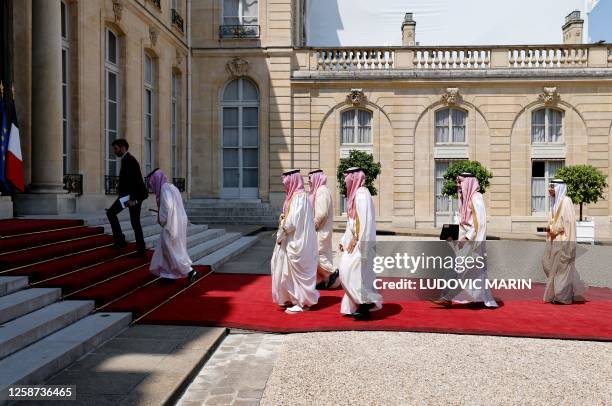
column 324, row 223
column 357, row 268
column 294, row 260
column 563, row 283
column 171, row 259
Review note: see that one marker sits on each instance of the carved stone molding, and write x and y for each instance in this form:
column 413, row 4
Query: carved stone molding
column 356, row 97
column 549, row 96
column 451, row 97
column 237, row 67
column 153, row 35
column 117, row 10
column 179, row 58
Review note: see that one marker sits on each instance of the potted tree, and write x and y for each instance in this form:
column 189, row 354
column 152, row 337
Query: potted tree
column 361, row 159
column 585, row 185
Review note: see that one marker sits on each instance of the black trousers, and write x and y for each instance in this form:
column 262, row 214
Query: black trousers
column 112, row 213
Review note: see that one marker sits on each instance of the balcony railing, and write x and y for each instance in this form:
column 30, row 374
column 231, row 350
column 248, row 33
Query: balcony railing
column 111, row 183
column 458, row 58
column 177, row 20
column 179, row 183
column 239, row 31
column 73, row 183
column 156, row 3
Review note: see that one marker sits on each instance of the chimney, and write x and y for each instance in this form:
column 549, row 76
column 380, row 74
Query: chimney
column 408, row 31
column 572, row 29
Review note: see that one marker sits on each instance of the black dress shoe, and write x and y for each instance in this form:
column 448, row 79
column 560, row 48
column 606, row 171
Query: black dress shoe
column 192, row 276
column 363, row 312
column 119, row 245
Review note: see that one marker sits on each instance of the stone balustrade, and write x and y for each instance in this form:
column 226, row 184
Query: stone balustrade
column 456, row 58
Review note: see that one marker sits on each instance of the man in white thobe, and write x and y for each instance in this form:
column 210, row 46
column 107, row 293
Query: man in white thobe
column 295, row 257
column 170, row 259
column 358, row 250
column 472, row 240
column 320, row 199
column 563, row 284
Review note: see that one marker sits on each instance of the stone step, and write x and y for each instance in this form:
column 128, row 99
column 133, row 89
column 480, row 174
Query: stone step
column 31, row 327
column 221, row 256
column 193, row 239
column 124, row 220
column 208, row 247
column 223, row 201
column 25, row 301
column 37, row 362
column 271, row 221
column 224, row 206
column 10, row 284
column 232, row 211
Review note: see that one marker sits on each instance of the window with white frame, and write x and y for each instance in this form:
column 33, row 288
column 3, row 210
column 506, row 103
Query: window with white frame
column 111, row 99
column 542, row 172
column 240, row 12
column 547, row 126
column 450, row 126
column 443, row 203
column 149, row 101
column 65, row 87
column 356, row 127
column 174, row 124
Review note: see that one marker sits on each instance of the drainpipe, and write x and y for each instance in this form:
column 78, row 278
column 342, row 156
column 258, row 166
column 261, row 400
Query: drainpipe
column 189, row 170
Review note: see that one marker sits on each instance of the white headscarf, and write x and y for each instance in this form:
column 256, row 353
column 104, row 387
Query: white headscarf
column 560, row 192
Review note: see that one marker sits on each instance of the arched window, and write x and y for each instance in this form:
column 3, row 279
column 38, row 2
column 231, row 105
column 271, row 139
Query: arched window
column 149, row 119
column 546, row 126
column 112, row 94
column 450, row 126
column 240, row 139
column 356, row 127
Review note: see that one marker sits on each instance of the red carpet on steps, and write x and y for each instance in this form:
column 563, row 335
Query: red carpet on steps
column 79, row 260
column 244, row 301
column 10, row 227
column 22, row 242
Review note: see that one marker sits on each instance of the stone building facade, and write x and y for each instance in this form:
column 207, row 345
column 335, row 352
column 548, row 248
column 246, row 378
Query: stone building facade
column 255, row 101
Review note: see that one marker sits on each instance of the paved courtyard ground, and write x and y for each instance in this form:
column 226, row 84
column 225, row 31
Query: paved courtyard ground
column 391, row 368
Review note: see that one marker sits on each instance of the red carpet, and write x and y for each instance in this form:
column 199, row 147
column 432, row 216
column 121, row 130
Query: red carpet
column 244, row 301
column 79, row 260
column 19, row 226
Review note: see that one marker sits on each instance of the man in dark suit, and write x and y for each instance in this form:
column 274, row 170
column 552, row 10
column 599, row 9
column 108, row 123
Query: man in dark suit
column 133, row 191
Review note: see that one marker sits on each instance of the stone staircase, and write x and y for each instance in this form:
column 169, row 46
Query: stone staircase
column 40, row 335
column 232, row 211
column 206, row 246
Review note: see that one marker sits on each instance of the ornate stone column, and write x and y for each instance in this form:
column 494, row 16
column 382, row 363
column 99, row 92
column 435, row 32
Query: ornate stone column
column 45, row 193
column 47, row 137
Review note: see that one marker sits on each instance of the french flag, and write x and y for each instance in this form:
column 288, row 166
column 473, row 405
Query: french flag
column 14, row 161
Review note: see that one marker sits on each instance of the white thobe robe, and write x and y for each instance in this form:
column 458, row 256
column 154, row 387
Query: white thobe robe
column 476, row 234
column 563, row 283
column 324, row 223
column 294, row 261
column 357, row 268
column 170, row 259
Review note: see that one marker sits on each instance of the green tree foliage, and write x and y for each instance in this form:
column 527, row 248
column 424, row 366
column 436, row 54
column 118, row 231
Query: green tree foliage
column 474, row 167
column 585, row 184
column 363, row 160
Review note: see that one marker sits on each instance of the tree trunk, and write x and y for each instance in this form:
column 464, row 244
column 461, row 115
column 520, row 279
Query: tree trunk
column 580, row 211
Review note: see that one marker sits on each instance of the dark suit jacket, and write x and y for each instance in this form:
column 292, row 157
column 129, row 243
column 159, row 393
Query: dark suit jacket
column 131, row 181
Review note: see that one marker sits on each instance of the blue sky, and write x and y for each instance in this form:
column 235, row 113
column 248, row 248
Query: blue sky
column 440, row 22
